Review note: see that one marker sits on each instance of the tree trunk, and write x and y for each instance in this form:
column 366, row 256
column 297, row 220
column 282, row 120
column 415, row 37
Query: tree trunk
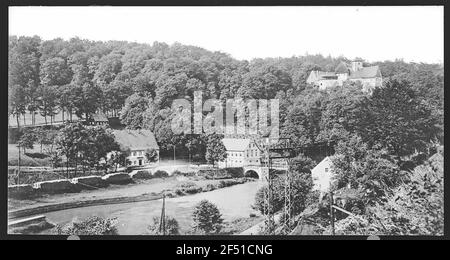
column 67, row 166
column 63, row 115
column 18, row 163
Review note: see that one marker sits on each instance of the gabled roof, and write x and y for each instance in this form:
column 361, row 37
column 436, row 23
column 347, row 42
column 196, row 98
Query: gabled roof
column 99, row 117
column 322, row 179
column 236, row 145
column 320, row 75
column 325, row 162
column 366, row 72
column 326, row 74
column 136, row 139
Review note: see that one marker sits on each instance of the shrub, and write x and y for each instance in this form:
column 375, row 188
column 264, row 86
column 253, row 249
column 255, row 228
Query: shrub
column 221, row 173
column 90, row 226
column 187, row 184
column 301, row 185
column 228, row 183
column 189, row 187
column 275, row 204
column 235, row 172
column 179, row 192
column 172, row 227
column 210, row 187
column 177, row 173
column 161, row 174
column 193, row 190
column 207, row 218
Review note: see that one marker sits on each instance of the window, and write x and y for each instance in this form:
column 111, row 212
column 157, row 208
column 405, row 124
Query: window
column 326, row 169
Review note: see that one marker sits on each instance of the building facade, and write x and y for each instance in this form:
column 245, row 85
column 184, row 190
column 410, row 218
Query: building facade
column 99, row 119
column 322, row 175
column 368, row 77
column 241, row 152
column 136, row 143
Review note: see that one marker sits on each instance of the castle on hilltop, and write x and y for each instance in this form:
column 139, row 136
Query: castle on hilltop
column 369, row 77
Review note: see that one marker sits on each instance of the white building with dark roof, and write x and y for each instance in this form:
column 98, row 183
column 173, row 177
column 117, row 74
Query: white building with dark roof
column 136, row 143
column 322, row 175
column 368, row 77
column 241, row 152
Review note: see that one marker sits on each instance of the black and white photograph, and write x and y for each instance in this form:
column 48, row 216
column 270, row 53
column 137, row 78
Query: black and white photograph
column 208, row 121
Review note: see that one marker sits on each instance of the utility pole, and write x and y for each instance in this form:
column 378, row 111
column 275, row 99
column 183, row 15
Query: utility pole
column 332, row 214
column 287, row 197
column 174, row 152
column 18, row 163
column 162, row 221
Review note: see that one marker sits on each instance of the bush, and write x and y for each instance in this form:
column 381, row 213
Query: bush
column 235, row 172
column 90, row 226
column 301, row 185
column 172, row 227
column 179, row 192
column 207, row 218
column 186, row 174
column 161, row 174
column 177, row 173
column 228, row 183
column 210, row 187
column 260, row 205
column 222, row 173
column 189, row 188
column 193, row 190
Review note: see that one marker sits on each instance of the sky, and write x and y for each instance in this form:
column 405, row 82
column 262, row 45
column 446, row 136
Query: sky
column 414, row 33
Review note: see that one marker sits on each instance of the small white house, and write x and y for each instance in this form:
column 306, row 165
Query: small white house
column 137, row 142
column 322, row 175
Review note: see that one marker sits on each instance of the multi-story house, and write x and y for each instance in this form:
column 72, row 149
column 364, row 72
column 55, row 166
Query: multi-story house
column 368, row 77
column 136, row 143
column 241, row 152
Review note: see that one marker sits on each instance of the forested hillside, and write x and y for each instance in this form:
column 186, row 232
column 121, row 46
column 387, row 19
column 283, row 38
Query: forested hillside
column 141, row 80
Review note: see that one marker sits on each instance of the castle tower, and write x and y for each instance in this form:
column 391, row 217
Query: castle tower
column 357, row 65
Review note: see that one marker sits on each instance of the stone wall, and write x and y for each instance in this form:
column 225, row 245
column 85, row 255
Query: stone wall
column 141, row 174
column 20, row 191
column 55, row 186
column 73, row 185
column 89, row 182
column 117, row 178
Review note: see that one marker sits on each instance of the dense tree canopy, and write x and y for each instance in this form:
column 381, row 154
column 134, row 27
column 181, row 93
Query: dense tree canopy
column 138, row 82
